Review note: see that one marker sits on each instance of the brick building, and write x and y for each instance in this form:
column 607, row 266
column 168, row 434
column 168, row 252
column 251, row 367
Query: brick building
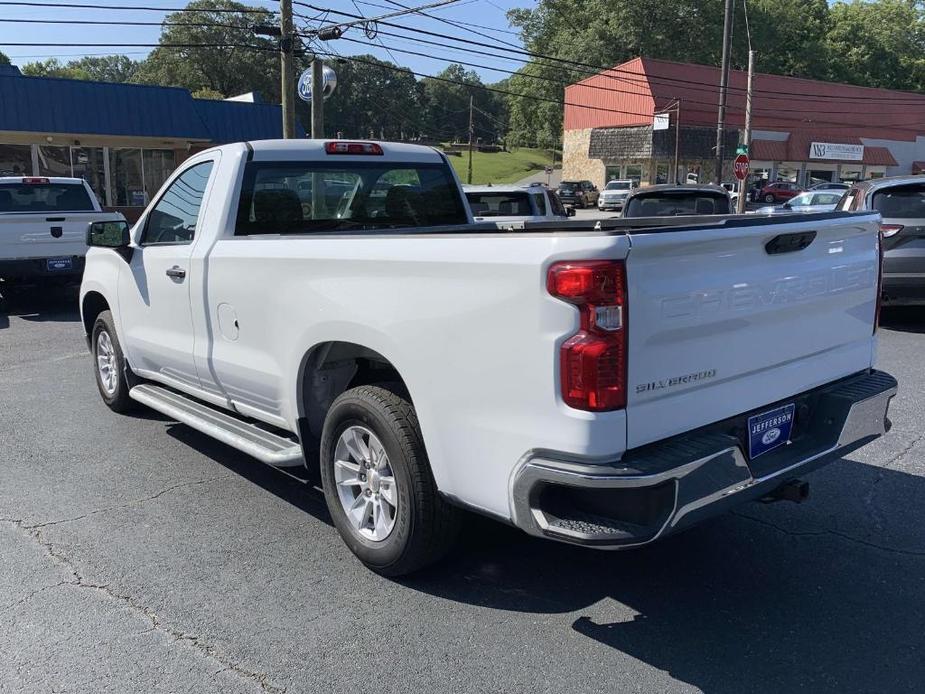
column 805, row 131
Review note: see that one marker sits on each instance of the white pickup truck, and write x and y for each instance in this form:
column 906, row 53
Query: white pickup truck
column 332, row 304
column 43, row 227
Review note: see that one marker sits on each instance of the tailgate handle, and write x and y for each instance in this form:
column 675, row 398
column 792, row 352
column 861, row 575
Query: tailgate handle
column 54, row 219
column 789, row 243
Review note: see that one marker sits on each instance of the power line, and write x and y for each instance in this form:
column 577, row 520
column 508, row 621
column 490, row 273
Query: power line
column 768, row 112
column 484, row 27
column 110, row 22
column 133, row 8
column 607, row 71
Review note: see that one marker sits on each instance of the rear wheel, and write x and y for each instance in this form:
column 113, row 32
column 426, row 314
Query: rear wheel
column 378, row 484
column 769, row 198
column 110, row 365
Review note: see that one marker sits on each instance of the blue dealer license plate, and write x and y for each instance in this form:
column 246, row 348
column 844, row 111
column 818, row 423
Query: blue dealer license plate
column 59, row 264
column 768, row 430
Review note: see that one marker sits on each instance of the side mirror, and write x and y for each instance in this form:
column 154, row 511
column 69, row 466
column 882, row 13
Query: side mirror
column 108, row 234
column 570, row 211
column 787, row 206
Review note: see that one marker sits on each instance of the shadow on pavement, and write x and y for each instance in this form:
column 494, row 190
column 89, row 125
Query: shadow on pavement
column 740, row 604
column 910, row 319
column 291, row 486
column 58, row 304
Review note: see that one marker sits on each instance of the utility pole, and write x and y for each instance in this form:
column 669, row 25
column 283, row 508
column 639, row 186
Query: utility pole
column 285, row 68
column 743, row 184
column 723, row 81
column 677, row 137
column 471, row 135
column 317, row 98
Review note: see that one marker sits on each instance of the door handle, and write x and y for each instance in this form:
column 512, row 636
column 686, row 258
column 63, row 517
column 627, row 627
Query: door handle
column 176, row 272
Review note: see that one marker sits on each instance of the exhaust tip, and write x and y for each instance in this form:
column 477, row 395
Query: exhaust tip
column 796, row 491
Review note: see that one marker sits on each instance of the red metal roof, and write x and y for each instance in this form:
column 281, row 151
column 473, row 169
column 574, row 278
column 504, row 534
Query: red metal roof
column 636, row 88
column 769, row 150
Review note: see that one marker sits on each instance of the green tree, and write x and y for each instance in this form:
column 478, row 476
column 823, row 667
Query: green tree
column 4, row 59
column 878, row 44
column 232, row 60
column 109, row 68
column 372, row 98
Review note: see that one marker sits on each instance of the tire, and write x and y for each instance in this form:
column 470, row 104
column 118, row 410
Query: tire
column 423, row 525
column 110, row 378
column 769, row 198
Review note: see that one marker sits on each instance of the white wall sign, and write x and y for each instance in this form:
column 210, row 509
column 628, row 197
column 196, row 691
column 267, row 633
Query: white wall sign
column 661, row 121
column 831, row 150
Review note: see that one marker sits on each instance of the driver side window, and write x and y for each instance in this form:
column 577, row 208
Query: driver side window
column 173, row 219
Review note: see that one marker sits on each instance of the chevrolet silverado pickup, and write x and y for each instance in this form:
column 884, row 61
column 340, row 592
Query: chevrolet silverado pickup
column 43, row 227
column 333, row 305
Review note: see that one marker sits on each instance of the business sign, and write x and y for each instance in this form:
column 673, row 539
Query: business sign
column 661, row 121
column 831, row 150
column 328, row 82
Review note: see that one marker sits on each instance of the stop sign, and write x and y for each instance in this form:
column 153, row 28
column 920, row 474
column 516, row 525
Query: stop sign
column 740, row 166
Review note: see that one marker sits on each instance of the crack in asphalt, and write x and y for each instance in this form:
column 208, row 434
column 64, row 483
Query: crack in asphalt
column 881, row 472
column 31, row 595
column 126, row 504
column 35, row 532
column 836, row 533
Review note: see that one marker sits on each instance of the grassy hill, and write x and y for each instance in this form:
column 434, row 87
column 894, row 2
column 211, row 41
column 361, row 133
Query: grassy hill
column 501, row 167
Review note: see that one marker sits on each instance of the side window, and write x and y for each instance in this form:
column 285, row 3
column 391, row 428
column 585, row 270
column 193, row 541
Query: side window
column 558, row 209
column 174, row 217
column 539, row 201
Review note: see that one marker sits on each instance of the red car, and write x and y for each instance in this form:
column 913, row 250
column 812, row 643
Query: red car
column 778, row 192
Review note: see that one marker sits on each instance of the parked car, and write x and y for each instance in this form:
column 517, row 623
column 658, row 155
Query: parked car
column 810, row 201
column 779, row 191
column 43, row 228
column 417, row 362
column 614, row 195
column 826, row 185
column 672, row 200
column 578, row 193
column 733, row 189
column 515, row 203
column 900, row 200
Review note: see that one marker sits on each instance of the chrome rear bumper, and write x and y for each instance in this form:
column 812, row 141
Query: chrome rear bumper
column 663, row 487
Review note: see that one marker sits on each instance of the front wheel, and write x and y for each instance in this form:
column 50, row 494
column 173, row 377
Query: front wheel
column 769, row 198
column 378, row 485
column 110, row 365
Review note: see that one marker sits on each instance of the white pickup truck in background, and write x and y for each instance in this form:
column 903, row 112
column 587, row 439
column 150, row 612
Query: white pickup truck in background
column 43, row 228
column 332, row 304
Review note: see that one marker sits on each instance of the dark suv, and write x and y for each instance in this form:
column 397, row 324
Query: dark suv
column 676, row 200
column 578, row 193
column 900, row 200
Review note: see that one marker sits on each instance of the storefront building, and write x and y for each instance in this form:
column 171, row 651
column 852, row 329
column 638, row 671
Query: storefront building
column 123, row 139
column 803, row 131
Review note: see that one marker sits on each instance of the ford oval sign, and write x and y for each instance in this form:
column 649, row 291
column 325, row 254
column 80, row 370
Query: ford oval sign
column 770, row 436
column 328, row 81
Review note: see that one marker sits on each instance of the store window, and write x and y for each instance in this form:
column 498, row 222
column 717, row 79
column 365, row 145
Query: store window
column 611, row 173
column 54, row 161
column 788, row 173
column 126, row 178
column 814, row 176
column 158, row 164
column 87, row 163
column 851, row 173
column 15, row 160
column 661, row 172
column 634, row 173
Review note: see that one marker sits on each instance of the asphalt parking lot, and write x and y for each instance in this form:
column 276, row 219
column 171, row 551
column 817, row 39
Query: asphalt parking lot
column 140, row 556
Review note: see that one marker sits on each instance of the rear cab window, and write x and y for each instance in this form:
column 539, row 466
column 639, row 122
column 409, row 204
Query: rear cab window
column 290, row 197
column 901, row 202
column 500, row 204
column 44, row 197
column 671, row 204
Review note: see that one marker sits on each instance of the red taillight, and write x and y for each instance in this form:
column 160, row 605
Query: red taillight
column 336, row 147
column 888, row 230
column 35, row 179
column 593, row 361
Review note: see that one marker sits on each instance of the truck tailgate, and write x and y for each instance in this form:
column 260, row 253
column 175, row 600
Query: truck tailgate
column 724, row 319
column 46, row 234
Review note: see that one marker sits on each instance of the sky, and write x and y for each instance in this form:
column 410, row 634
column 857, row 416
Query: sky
column 488, row 13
